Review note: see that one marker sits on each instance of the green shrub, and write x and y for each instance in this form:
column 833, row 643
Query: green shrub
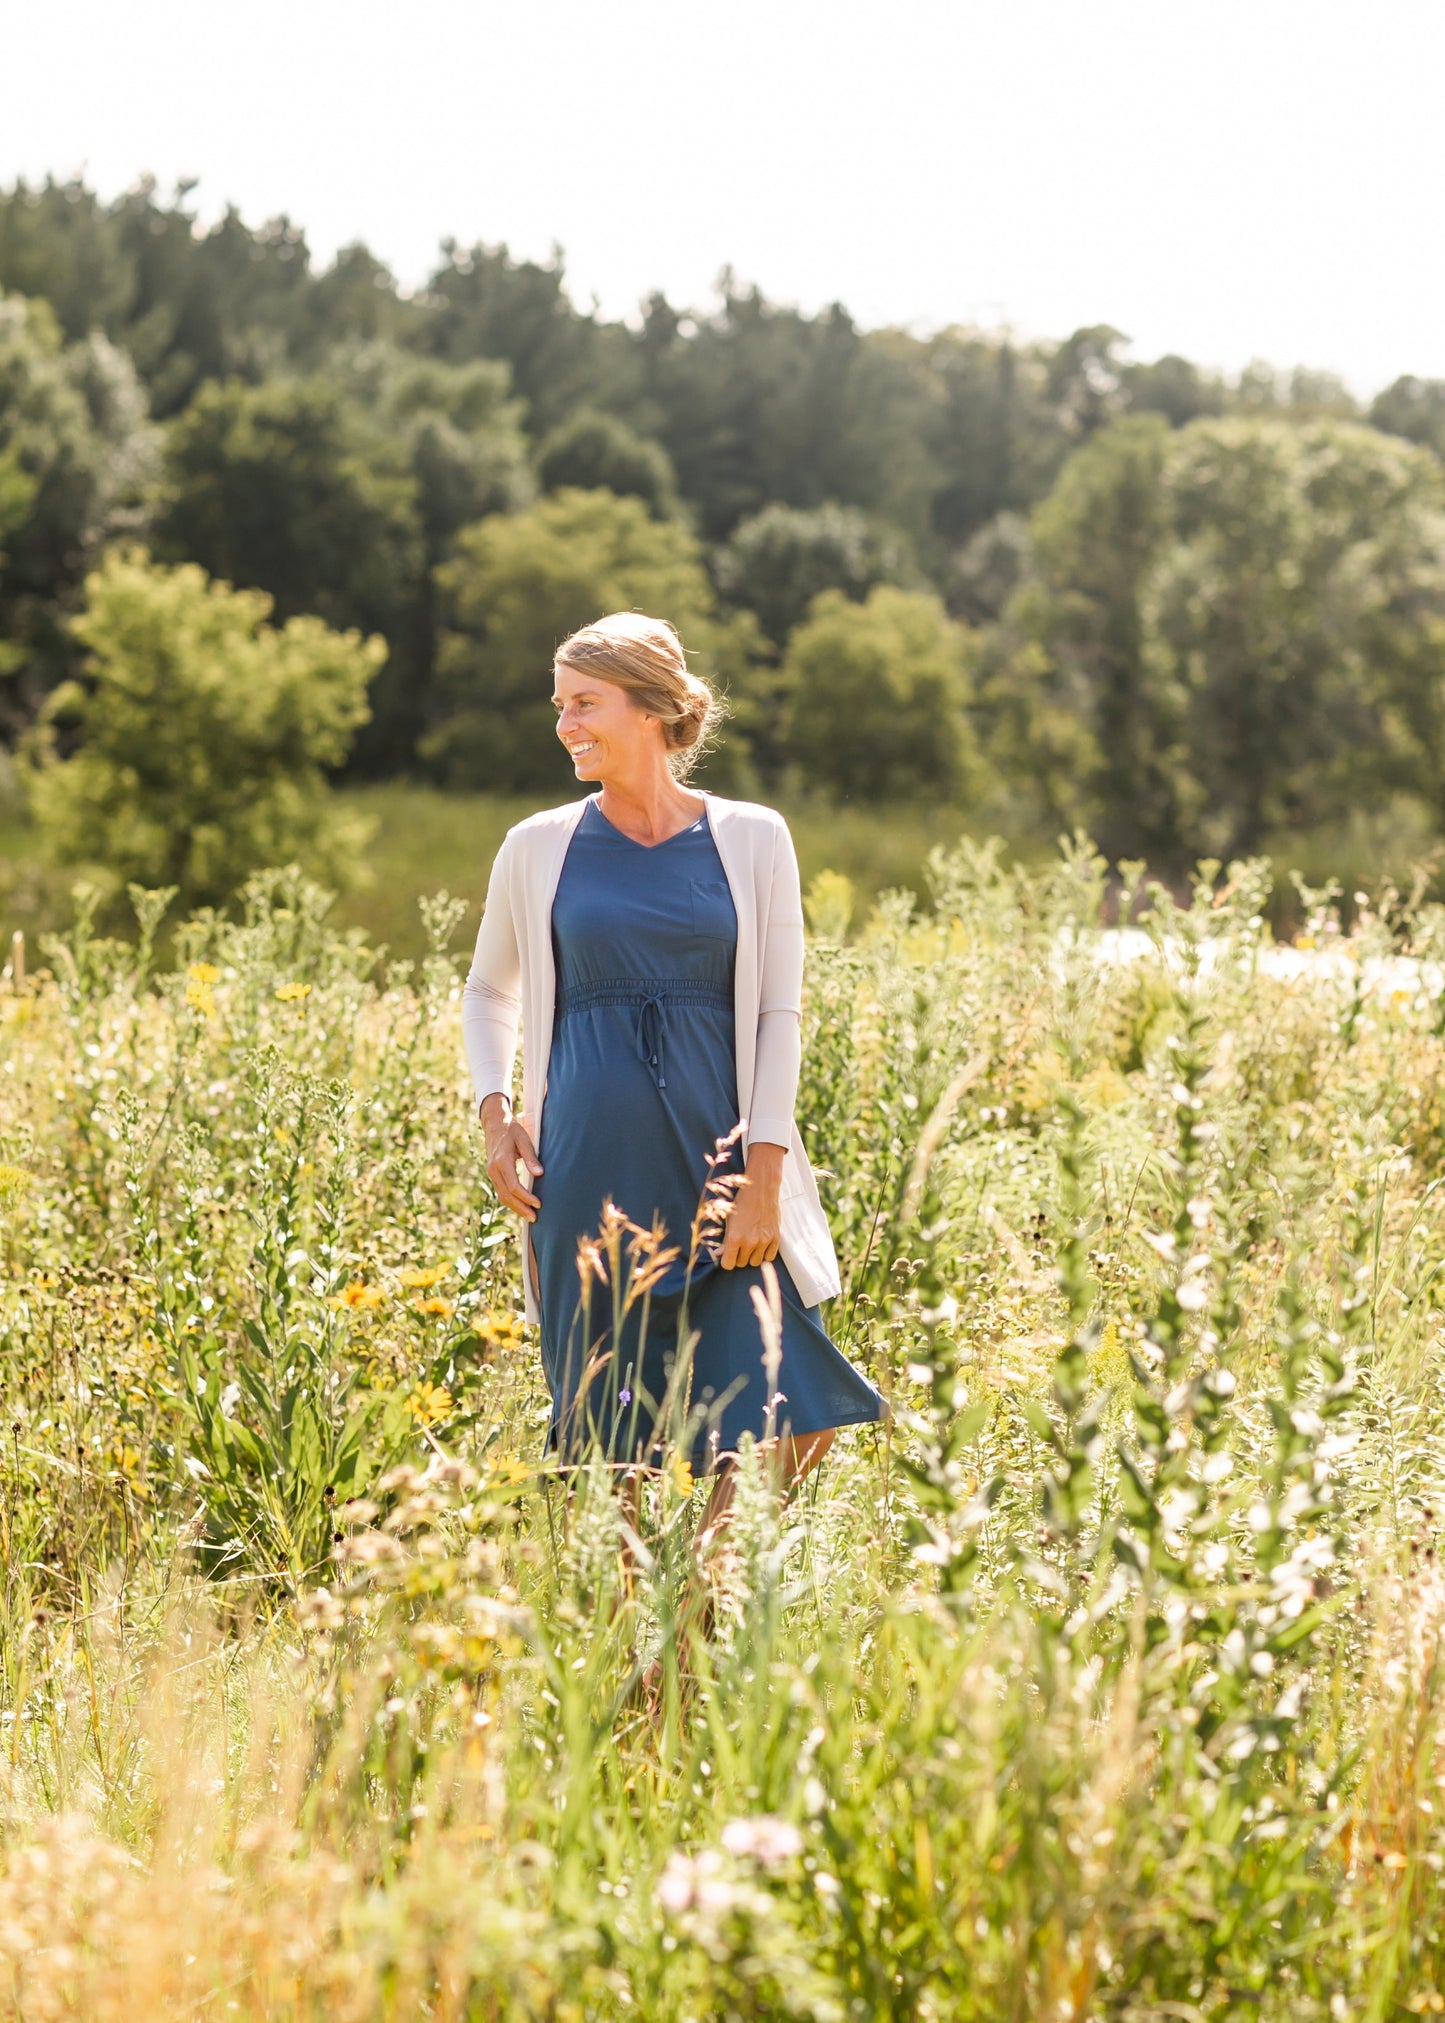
column 195, row 749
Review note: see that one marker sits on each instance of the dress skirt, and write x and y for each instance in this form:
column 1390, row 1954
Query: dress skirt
column 641, row 1088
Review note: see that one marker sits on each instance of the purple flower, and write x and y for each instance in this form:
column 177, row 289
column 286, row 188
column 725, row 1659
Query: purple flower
column 624, row 1396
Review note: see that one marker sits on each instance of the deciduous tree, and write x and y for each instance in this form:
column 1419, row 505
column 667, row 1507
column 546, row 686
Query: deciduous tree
column 195, row 747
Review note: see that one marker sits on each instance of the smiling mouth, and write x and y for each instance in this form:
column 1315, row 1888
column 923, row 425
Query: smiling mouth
column 581, row 751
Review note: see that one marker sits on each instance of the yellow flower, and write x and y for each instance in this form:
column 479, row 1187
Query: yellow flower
column 510, row 1468
column 443, row 1307
column 1104, row 1086
column 500, row 1331
column 1304, row 941
column 679, row 1474
column 1109, row 1359
column 422, row 1281
column 429, row 1404
column 358, row 1294
column 204, row 972
column 199, row 998
column 1044, row 1075
column 289, row 993
column 14, row 1181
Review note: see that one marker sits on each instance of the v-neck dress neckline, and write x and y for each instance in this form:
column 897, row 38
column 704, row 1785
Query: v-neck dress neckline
column 662, row 845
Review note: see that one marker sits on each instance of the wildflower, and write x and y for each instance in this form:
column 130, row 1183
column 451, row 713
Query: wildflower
column 199, row 997
column 441, row 1307
column 1304, row 941
column 429, row 1404
column 368, row 1548
column 422, row 1281
column 499, row 1331
column 319, row 1611
column 204, row 972
column 14, row 1182
column 510, row 1469
column 766, row 1840
column 357, row 1294
column 679, row 1474
column 695, row 1881
column 624, row 1396
column 292, row 993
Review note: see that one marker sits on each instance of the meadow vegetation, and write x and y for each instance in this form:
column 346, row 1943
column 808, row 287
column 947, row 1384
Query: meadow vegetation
column 1101, row 1681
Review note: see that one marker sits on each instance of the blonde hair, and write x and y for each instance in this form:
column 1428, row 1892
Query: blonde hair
column 645, row 657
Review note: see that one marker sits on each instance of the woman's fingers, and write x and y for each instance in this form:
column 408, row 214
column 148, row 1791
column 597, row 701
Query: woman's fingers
column 763, row 1250
column 515, row 1147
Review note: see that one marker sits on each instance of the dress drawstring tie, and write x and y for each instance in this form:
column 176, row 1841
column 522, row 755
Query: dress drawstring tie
column 651, row 1024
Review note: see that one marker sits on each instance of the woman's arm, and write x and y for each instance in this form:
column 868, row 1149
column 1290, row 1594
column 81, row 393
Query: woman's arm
column 492, row 995
column 754, row 1224
column 780, row 1003
column 776, row 1069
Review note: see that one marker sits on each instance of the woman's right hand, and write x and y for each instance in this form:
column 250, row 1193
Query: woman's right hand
column 508, row 1146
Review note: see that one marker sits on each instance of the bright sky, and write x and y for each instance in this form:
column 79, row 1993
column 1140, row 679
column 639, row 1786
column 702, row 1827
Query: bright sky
column 1226, row 178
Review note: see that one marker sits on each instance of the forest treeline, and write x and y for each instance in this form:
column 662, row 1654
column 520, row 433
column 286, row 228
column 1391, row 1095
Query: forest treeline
column 1186, row 611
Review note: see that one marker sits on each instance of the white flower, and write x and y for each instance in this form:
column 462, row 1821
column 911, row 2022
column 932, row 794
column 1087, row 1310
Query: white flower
column 765, row 1840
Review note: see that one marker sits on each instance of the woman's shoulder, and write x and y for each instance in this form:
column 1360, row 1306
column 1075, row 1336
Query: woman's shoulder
column 542, row 821
column 749, row 814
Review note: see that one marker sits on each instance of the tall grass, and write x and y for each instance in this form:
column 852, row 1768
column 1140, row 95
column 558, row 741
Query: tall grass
column 1103, row 1680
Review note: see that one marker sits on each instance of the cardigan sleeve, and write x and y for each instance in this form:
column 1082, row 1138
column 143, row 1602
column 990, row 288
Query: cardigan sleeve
column 492, row 994
column 780, row 1003
column 781, row 983
column 775, row 1078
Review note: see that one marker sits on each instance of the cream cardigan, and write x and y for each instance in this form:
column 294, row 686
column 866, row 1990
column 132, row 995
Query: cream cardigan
column 513, row 977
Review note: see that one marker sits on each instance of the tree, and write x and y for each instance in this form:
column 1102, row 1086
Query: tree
column 756, row 403
column 1173, row 387
column 597, row 452
column 77, row 454
column 1299, row 614
column 283, row 488
column 1413, row 408
column 992, row 429
column 778, row 562
column 195, row 746
column 340, row 495
column 1245, row 619
column 459, row 433
column 517, row 586
column 232, row 301
column 1078, row 624
column 481, row 303
column 878, row 694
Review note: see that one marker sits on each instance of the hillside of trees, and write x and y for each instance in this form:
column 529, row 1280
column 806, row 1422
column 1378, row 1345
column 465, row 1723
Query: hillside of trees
column 1187, row 612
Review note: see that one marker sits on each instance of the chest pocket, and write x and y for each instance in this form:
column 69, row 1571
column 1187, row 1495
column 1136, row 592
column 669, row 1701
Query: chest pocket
column 713, row 912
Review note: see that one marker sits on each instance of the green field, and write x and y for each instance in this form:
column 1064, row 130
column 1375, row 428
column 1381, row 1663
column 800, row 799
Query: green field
column 1104, row 1681
column 426, row 842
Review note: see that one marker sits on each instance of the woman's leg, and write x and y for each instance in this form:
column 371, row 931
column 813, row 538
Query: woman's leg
column 793, row 1456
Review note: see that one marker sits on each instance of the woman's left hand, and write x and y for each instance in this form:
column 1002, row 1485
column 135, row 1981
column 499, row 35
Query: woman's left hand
column 754, row 1224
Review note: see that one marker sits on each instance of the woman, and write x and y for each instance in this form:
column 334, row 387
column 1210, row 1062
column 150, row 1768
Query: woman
column 650, row 938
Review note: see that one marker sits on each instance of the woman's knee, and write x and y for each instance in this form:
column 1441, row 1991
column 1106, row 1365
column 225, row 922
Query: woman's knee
column 808, row 1449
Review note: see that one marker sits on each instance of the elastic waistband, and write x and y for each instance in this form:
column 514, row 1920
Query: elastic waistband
column 635, row 990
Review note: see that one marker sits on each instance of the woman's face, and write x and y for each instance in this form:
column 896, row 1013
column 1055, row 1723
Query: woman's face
column 604, row 730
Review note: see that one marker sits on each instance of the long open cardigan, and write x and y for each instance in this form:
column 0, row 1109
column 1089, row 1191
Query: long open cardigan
column 515, row 974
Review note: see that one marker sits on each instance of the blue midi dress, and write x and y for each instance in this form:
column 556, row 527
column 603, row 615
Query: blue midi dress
column 641, row 1085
